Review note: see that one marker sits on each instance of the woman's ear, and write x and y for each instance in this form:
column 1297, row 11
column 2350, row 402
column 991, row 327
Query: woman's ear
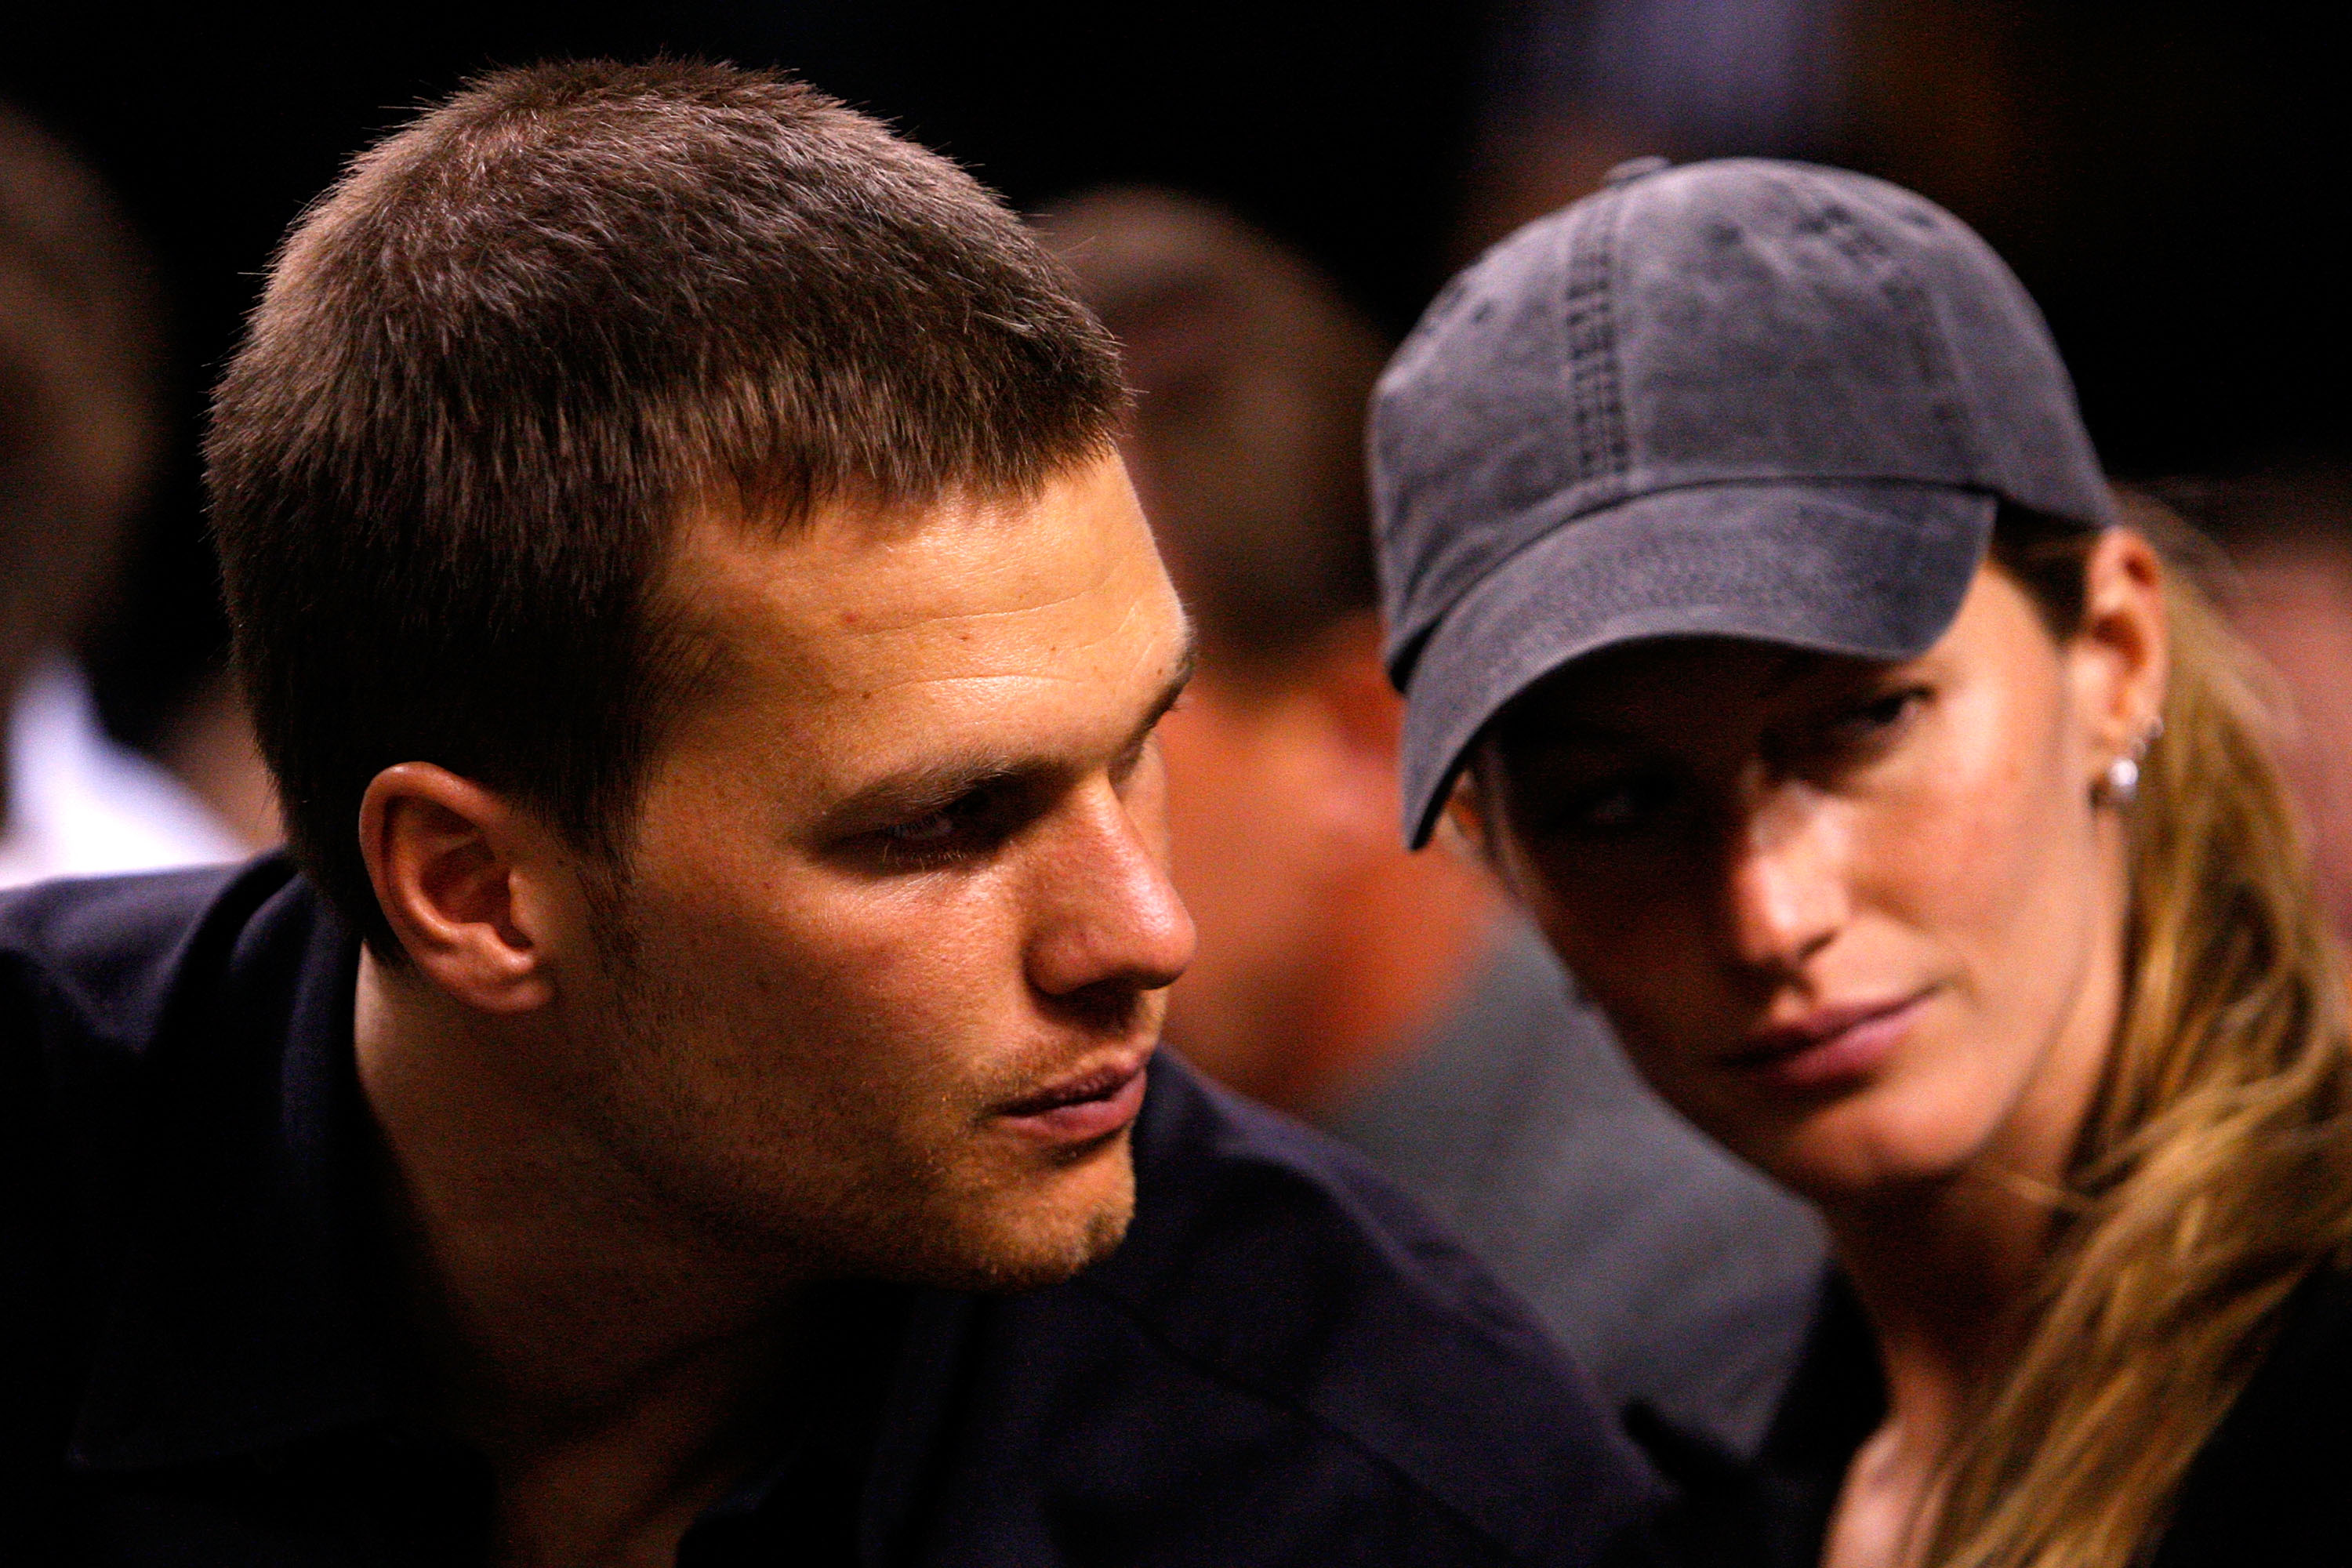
column 1468, row 825
column 2120, row 654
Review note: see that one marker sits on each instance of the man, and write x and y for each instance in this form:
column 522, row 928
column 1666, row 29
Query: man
column 687, row 1104
column 78, row 431
column 1387, row 995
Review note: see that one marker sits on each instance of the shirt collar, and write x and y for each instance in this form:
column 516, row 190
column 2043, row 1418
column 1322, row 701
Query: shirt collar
column 241, row 1315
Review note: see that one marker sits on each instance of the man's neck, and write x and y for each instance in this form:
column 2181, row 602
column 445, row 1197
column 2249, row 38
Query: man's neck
column 610, row 1363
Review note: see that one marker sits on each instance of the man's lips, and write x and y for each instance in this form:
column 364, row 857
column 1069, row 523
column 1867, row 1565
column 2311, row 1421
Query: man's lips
column 1091, row 1103
column 1829, row 1045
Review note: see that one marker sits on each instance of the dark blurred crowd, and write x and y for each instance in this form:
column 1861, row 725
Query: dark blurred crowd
column 1255, row 200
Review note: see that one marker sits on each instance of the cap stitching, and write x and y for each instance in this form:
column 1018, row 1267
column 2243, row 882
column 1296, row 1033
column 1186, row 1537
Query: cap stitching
column 1596, row 406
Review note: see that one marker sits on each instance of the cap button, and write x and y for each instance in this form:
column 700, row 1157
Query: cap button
column 1632, row 169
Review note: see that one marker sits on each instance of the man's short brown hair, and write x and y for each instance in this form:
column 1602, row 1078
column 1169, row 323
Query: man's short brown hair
column 495, row 365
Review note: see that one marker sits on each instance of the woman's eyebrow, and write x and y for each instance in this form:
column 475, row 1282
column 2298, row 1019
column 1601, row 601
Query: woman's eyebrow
column 1790, row 667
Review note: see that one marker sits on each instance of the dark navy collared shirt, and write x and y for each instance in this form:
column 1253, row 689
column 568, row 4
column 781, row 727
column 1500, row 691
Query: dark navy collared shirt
column 202, row 1365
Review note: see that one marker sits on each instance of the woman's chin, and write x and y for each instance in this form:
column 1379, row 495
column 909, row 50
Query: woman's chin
column 1871, row 1150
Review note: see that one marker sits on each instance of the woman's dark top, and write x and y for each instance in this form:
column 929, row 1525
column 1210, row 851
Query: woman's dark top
column 2273, row 1485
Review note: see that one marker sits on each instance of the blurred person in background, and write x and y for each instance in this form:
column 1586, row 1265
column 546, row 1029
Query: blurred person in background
column 1915, row 820
column 78, row 438
column 1570, row 88
column 2288, row 535
column 1391, row 998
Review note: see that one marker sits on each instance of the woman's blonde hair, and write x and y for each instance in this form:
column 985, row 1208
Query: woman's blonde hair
column 2215, row 1171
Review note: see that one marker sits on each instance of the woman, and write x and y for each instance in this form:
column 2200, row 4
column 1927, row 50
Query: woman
column 1764, row 618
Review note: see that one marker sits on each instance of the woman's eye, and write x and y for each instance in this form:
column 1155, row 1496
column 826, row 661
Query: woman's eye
column 1615, row 807
column 1878, row 717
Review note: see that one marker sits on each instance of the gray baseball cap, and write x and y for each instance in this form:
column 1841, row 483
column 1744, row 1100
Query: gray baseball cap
column 1742, row 398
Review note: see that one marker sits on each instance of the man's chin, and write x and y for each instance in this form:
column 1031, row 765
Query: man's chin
column 1034, row 1265
column 1017, row 1248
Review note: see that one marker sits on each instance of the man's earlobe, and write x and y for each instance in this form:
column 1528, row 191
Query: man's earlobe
column 452, row 864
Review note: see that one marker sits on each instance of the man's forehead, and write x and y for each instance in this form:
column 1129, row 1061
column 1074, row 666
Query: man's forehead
column 852, row 600
column 1000, row 625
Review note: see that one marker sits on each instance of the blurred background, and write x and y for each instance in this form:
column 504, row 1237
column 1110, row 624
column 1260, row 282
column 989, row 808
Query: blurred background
column 1259, row 198
column 2162, row 174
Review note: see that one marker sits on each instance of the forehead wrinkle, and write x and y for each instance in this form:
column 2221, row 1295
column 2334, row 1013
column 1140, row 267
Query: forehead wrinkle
column 1188, row 648
column 925, row 781
column 1162, row 696
column 1024, row 666
column 1053, row 675
column 964, row 677
column 923, row 619
column 1180, row 666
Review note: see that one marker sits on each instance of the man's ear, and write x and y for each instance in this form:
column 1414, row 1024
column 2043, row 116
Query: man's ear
column 2122, row 652
column 457, row 872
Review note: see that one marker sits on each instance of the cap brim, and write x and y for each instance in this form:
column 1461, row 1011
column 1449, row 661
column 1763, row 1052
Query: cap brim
column 1873, row 569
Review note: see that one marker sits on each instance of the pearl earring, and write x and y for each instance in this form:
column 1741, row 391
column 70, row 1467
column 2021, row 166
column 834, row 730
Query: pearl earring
column 2120, row 787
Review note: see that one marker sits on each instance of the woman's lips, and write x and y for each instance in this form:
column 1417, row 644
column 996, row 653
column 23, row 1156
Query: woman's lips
column 1082, row 1108
column 1829, row 1046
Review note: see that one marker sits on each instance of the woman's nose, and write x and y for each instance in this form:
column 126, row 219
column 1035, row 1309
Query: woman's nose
column 1785, row 877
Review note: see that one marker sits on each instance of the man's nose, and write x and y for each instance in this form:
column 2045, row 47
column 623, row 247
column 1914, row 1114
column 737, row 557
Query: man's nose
column 1108, row 915
column 1785, row 876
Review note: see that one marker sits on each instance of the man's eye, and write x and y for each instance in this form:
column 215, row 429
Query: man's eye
column 962, row 830
column 936, row 828
column 932, row 839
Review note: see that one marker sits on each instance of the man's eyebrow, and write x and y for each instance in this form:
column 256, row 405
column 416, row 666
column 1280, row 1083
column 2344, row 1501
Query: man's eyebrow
column 1187, row 663
column 921, row 790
